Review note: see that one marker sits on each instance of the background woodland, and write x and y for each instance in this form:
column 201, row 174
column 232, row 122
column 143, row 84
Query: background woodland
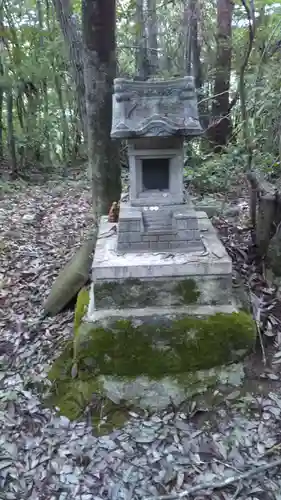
column 58, row 59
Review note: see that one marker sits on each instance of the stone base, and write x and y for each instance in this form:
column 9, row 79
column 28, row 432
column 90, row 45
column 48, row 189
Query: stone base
column 171, row 284
column 152, row 315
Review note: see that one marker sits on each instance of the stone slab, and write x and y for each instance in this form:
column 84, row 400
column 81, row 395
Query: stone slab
column 110, row 265
column 159, row 292
column 153, row 314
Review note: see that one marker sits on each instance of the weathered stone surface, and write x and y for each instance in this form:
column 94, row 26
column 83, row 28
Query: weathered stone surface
column 155, row 116
column 109, row 265
column 155, row 315
column 173, row 193
column 137, row 293
column 160, row 345
column 164, row 256
column 155, row 395
column 158, row 229
column 155, row 108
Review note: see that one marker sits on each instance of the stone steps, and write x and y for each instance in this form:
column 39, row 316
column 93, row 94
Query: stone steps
column 157, row 220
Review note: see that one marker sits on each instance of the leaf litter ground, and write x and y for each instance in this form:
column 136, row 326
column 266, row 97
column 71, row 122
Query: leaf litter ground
column 195, row 451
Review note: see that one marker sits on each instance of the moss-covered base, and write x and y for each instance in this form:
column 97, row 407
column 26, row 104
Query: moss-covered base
column 131, row 348
column 127, row 365
column 163, row 292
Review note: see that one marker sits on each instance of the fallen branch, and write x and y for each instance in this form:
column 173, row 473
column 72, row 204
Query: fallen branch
column 215, row 485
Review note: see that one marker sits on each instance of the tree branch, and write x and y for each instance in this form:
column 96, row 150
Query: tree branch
column 215, row 485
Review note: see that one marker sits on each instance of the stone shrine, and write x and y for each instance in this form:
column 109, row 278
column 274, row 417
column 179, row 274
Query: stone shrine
column 155, row 118
column 164, row 260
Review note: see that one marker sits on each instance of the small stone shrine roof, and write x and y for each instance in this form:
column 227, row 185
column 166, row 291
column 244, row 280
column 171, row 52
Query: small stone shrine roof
column 155, row 108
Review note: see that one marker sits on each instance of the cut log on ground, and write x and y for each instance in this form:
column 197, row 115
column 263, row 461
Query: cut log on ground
column 71, row 279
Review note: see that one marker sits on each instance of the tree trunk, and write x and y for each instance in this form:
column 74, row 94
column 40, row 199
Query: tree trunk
column 44, row 88
column 220, row 129
column 142, row 61
column 152, row 36
column 1, row 84
column 10, row 133
column 73, row 43
column 99, row 69
column 192, row 47
column 64, row 127
column 1, row 117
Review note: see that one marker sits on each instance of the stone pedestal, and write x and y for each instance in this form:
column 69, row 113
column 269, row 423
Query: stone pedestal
column 155, row 286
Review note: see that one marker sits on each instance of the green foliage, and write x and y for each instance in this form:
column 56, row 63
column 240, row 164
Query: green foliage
column 215, row 172
column 45, row 125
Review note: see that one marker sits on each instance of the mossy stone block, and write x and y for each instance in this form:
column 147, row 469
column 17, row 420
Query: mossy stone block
column 128, row 348
column 185, row 345
column 136, row 293
column 184, row 357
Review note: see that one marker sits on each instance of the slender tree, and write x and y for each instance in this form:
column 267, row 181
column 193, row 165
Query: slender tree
column 1, row 83
column 73, row 41
column 152, row 35
column 142, row 60
column 192, row 48
column 220, row 129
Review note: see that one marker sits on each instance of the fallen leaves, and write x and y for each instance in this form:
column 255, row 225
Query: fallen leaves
column 44, row 456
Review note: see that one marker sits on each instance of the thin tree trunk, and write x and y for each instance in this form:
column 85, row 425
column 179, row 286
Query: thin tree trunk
column 192, row 48
column 73, row 42
column 10, row 134
column 1, row 85
column 99, row 70
column 64, row 132
column 152, row 36
column 220, row 130
column 44, row 83
column 142, row 61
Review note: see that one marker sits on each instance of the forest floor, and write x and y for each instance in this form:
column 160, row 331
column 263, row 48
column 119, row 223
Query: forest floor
column 228, row 450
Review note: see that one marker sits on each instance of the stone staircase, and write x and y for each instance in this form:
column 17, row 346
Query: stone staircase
column 157, row 221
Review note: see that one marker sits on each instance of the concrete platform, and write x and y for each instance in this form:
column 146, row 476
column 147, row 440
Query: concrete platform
column 110, row 265
column 148, row 285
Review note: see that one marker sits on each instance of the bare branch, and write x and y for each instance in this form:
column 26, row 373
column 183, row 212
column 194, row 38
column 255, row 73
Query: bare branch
column 215, row 485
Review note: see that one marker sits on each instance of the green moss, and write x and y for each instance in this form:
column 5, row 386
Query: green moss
column 82, row 303
column 138, row 293
column 125, row 352
column 123, row 294
column 188, row 291
column 186, row 345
